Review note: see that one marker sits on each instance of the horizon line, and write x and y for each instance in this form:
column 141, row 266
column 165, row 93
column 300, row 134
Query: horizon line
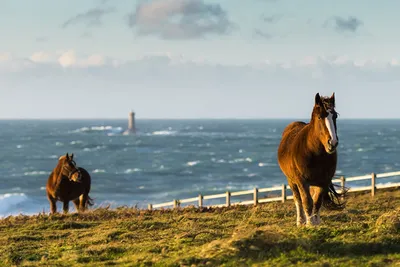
column 197, row 118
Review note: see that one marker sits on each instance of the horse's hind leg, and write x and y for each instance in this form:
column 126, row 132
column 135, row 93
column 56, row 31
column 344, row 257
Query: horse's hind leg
column 76, row 204
column 52, row 201
column 317, row 196
column 301, row 218
column 82, row 202
column 65, row 207
column 307, row 202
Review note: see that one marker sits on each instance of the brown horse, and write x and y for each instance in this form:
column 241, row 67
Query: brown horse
column 307, row 156
column 68, row 182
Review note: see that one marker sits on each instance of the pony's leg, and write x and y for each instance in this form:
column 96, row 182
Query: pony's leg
column 307, row 202
column 301, row 217
column 76, row 204
column 65, row 207
column 82, row 202
column 317, row 197
column 52, row 201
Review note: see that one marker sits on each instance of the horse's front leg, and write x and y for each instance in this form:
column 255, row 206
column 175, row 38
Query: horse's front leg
column 52, row 201
column 300, row 217
column 307, row 202
column 76, row 204
column 65, row 207
column 317, row 196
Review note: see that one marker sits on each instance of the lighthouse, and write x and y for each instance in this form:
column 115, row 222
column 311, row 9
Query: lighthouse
column 131, row 124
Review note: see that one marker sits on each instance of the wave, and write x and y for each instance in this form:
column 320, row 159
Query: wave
column 263, row 164
column 192, row 163
column 98, row 171
column 87, row 149
column 36, row 173
column 240, row 160
column 132, row 170
column 98, row 129
column 77, row 142
column 163, row 133
column 11, row 201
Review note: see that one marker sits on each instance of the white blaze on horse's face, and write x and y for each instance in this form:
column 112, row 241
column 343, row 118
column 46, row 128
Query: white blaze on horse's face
column 331, row 128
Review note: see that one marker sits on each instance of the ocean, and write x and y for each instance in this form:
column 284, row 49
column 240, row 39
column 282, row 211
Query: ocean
column 170, row 159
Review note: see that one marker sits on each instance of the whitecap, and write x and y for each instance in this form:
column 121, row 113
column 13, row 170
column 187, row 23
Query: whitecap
column 76, row 142
column 241, row 160
column 163, row 132
column 132, row 170
column 94, row 149
column 97, row 128
column 59, row 144
column 10, row 200
column 192, row 163
column 36, row 173
column 98, row 171
column 263, row 164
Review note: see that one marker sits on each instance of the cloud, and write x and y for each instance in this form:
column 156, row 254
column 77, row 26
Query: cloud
column 168, row 67
column 179, row 19
column 350, row 24
column 193, row 88
column 70, row 59
column 42, row 39
column 40, row 57
column 271, row 19
column 86, row 35
column 5, row 57
column 92, row 17
column 262, row 34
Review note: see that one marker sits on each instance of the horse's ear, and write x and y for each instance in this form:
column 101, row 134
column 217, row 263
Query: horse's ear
column 333, row 98
column 318, row 100
column 67, row 156
column 72, row 156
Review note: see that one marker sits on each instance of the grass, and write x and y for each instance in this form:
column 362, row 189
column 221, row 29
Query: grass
column 366, row 233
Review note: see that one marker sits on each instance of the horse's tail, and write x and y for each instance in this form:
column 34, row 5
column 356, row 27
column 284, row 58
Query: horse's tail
column 334, row 200
column 90, row 201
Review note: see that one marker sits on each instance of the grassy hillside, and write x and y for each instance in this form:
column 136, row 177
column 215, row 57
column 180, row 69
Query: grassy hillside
column 366, row 233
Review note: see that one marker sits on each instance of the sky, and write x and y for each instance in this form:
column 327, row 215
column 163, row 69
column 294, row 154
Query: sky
column 198, row 58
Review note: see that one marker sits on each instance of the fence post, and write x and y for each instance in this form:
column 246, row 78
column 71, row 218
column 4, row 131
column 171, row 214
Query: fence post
column 200, row 201
column 373, row 188
column 228, row 198
column 342, row 184
column 150, row 206
column 283, row 193
column 175, row 203
column 255, row 196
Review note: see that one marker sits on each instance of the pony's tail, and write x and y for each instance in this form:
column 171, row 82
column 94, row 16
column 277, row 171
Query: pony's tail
column 334, row 200
column 89, row 201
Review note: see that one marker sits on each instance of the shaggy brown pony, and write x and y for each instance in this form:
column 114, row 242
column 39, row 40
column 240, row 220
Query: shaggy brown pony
column 68, row 182
column 307, row 156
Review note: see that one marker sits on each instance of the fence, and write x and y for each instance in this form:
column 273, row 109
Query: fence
column 283, row 195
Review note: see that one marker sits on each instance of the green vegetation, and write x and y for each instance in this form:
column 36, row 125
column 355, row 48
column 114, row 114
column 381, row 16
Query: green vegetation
column 366, row 233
